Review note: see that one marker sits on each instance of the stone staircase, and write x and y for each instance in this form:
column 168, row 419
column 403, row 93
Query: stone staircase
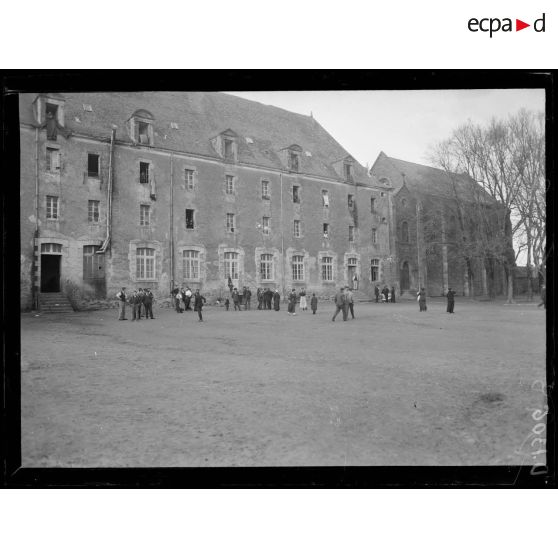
column 55, row 303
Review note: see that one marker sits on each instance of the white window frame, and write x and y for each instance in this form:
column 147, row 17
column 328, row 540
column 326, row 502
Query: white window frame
column 142, row 221
column 266, row 225
column 266, row 190
column 189, row 178
column 266, row 267
column 53, row 208
column 297, row 228
column 145, row 264
column 297, row 267
column 231, row 262
column 374, row 270
column 374, row 235
column 53, row 159
column 327, row 268
column 230, row 222
column 191, row 265
column 230, row 186
column 325, row 198
column 93, row 211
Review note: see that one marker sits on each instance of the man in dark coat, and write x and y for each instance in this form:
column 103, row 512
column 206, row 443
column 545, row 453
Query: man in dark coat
column 148, row 304
column 340, row 304
column 236, row 300
column 276, row 300
column 136, row 305
column 377, row 293
column 121, row 296
column 385, row 292
column 292, row 303
column 259, row 296
column 392, row 294
column 314, row 303
column 199, row 301
column 422, row 300
column 451, row 300
column 268, row 298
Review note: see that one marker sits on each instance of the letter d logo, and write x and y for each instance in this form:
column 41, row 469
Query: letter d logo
column 540, row 21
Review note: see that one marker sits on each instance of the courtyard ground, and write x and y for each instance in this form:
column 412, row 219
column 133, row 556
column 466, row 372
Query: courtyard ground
column 262, row 388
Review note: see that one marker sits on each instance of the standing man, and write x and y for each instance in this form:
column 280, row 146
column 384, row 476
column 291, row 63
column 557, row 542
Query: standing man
column 148, row 304
column 268, row 299
column 339, row 304
column 259, row 296
column 392, row 294
column 188, row 295
column 350, row 302
column 422, row 300
column 276, row 299
column 136, row 305
column 236, row 300
column 121, row 296
column 377, row 293
column 385, row 292
column 314, row 303
column 292, row 303
column 199, row 301
column 248, row 298
column 451, row 300
column 230, row 284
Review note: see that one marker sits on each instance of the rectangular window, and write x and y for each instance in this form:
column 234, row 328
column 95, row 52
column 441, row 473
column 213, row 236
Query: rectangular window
column 296, row 194
column 93, row 165
column 145, row 263
column 191, row 265
column 231, row 265
column 374, row 270
column 52, row 207
column 348, row 168
column 230, row 222
column 144, row 173
column 327, row 268
column 189, row 218
column 350, row 201
column 298, row 268
column 326, row 230
column 325, row 198
column 296, row 229
column 372, row 205
column 265, row 225
column 143, row 133
column 351, row 233
column 52, row 159
column 93, row 211
column 189, row 179
column 294, row 161
column 265, row 189
column 266, row 267
column 228, row 148
column 145, row 215
column 229, row 184
column 374, row 239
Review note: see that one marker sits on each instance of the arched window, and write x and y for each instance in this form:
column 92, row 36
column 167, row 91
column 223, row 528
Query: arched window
column 404, row 231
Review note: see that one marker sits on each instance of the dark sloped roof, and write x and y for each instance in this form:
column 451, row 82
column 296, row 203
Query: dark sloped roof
column 425, row 180
column 201, row 116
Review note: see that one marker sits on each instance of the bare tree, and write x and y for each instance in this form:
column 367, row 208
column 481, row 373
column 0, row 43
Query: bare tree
column 506, row 158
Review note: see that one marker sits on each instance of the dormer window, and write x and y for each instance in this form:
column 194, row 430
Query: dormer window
column 348, row 171
column 141, row 127
column 226, row 145
column 228, row 148
column 294, row 161
column 49, row 113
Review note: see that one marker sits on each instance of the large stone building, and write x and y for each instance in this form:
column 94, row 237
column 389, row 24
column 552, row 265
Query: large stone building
column 438, row 218
column 157, row 189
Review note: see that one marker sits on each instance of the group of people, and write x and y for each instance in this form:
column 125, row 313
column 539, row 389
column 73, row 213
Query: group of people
column 450, row 295
column 182, row 296
column 344, row 302
column 141, row 301
column 387, row 294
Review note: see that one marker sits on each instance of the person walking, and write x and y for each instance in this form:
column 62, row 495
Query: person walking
column 303, row 305
column 236, row 300
column 121, row 296
column 340, row 302
column 377, row 293
column 148, row 304
column 422, row 300
column 292, row 303
column 392, row 294
column 276, row 300
column 451, row 300
column 314, row 303
column 227, row 304
column 199, row 301
column 350, row 302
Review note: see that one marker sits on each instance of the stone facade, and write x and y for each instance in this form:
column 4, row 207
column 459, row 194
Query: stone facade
column 195, row 214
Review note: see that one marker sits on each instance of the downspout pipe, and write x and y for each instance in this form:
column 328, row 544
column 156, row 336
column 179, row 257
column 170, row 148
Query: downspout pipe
column 36, row 254
column 106, row 242
column 171, row 225
column 282, row 239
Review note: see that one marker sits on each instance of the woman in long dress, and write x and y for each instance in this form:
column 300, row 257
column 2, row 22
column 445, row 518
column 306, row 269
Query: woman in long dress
column 422, row 300
column 303, row 304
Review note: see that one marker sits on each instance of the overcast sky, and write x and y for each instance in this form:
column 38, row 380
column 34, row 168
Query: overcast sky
column 403, row 124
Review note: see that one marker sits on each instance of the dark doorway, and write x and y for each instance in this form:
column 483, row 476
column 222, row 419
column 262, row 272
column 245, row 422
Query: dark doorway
column 405, row 277
column 50, row 273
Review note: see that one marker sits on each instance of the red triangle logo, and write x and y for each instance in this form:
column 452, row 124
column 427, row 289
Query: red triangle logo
column 519, row 25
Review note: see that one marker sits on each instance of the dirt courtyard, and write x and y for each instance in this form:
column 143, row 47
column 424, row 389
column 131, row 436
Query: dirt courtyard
column 262, row 388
